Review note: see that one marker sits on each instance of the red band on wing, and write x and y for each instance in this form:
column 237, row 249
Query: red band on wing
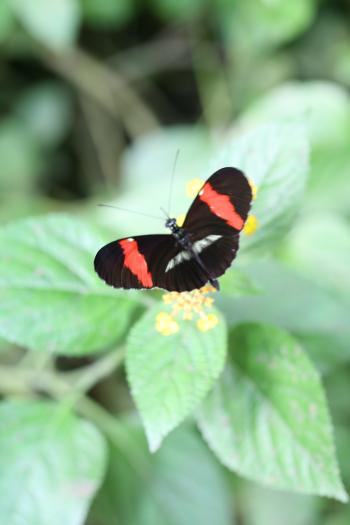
column 221, row 206
column 136, row 262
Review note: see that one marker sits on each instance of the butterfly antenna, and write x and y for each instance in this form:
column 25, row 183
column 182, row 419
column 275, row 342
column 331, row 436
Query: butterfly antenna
column 172, row 180
column 131, row 211
column 165, row 213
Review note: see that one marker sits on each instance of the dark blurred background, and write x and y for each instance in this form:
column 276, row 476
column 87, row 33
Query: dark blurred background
column 82, row 80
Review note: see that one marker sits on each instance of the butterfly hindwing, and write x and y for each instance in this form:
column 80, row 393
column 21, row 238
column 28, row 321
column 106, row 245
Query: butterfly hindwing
column 143, row 262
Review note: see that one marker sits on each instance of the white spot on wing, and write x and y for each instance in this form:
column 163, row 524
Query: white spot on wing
column 131, row 239
column 200, row 245
column 197, row 246
column 178, row 259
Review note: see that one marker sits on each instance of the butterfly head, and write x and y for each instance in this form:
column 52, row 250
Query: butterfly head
column 171, row 224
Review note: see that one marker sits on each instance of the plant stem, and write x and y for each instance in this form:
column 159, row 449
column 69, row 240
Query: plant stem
column 21, row 381
column 104, row 85
column 115, row 431
column 83, row 380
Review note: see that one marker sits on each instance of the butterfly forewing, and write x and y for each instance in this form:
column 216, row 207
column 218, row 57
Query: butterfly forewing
column 216, row 217
column 222, row 204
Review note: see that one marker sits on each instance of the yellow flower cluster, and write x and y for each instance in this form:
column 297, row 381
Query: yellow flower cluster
column 190, row 304
column 165, row 324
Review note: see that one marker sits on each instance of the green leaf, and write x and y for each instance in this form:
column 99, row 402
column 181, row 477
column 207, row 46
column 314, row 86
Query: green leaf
column 341, row 517
column 19, row 172
column 180, row 10
column 182, row 485
column 46, row 111
column 7, row 22
column 108, row 13
column 51, row 464
column 286, row 299
column 323, row 196
column 267, row 418
column 328, row 349
column 296, row 303
column 54, row 23
column 324, row 106
column 260, row 24
column 236, row 282
column 305, row 250
column 265, row 506
column 170, row 375
column 50, row 298
column 275, row 158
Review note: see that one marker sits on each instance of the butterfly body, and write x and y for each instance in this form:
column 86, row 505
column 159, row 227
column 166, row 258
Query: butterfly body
column 192, row 255
column 183, row 239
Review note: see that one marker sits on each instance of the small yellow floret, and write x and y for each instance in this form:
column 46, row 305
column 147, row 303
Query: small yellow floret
column 251, row 225
column 188, row 305
column 180, row 219
column 165, row 324
column 208, row 288
column 254, row 189
column 193, row 187
column 207, row 322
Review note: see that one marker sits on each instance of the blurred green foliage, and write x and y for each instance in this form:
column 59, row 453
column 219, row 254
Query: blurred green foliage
column 96, row 97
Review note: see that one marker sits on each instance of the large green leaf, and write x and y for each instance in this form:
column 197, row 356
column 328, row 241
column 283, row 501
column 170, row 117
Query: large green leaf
column 236, row 283
column 54, row 23
column 181, row 485
column 51, row 464
column 267, row 417
column 296, row 303
column 50, row 298
column 324, row 106
column 275, row 158
column 170, row 375
column 327, row 264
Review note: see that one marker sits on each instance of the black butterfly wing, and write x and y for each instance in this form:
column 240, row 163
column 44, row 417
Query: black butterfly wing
column 213, row 223
column 145, row 262
column 216, row 217
column 222, row 204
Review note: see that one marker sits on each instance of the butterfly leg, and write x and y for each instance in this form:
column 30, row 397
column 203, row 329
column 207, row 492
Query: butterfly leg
column 213, row 282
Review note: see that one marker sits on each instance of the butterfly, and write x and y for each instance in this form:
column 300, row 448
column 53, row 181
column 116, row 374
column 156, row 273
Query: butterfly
column 190, row 256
